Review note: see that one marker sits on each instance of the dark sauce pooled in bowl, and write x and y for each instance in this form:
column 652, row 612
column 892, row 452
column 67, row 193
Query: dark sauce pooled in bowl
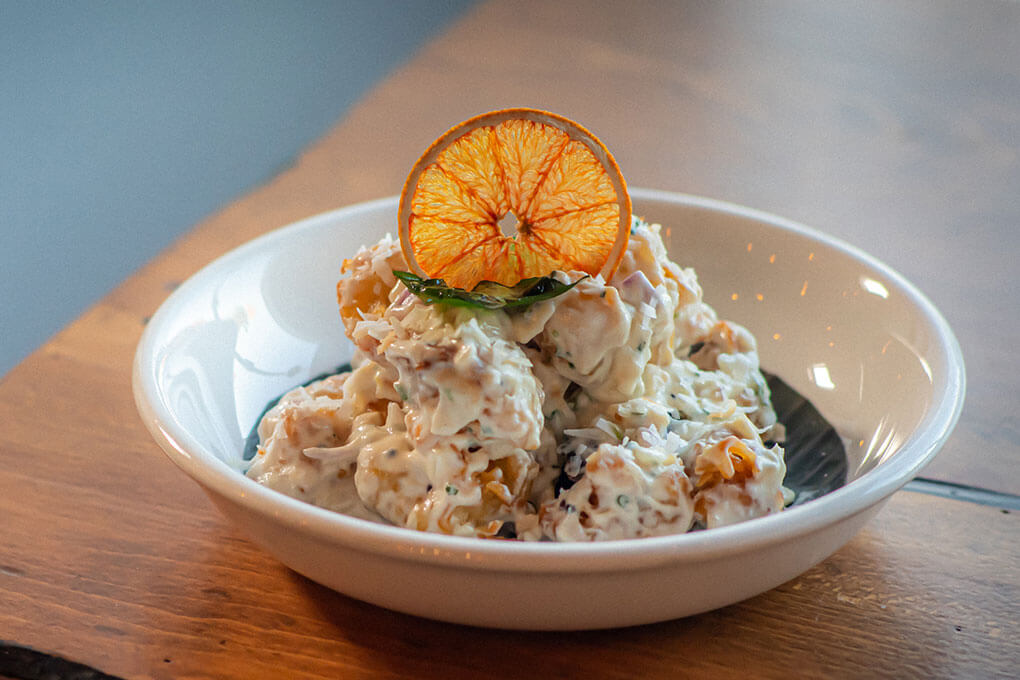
column 816, row 462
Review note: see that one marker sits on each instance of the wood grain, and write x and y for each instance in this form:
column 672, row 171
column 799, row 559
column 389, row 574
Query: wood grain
column 892, row 125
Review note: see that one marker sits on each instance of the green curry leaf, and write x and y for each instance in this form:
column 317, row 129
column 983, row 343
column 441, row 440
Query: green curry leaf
column 487, row 294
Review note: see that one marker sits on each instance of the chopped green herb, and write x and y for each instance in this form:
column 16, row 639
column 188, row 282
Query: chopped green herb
column 487, row 294
column 623, row 500
column 761, row 388
column 402, row 391
column 452, row 490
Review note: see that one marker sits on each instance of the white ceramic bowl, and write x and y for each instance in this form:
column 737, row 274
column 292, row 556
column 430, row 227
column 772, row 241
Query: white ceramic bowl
column 854, row 337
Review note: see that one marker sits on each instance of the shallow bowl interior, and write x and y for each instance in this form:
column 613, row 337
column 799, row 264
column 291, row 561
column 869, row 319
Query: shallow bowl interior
column 847, row 332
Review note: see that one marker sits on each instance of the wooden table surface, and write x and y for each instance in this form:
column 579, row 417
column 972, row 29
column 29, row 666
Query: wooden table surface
column 892, row 125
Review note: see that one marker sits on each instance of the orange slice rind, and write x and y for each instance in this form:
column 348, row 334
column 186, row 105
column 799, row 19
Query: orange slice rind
column 548, row 174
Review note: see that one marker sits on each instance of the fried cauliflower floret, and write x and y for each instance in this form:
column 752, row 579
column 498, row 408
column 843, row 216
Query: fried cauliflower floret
column 731, row 352
column 310, row 441
column 364, row 291
column 736, row 476
column 474, row 492
column 602, row 337
column 455, row 369
column 470, row 403
column 627, row 491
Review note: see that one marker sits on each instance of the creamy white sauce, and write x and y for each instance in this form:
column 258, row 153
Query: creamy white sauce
column 616, row 410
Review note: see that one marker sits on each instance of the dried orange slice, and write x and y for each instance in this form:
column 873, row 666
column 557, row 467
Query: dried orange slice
column 550, row 175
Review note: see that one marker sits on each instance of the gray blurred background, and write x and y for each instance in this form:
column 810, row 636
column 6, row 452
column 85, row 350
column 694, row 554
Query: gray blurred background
column 122, row 124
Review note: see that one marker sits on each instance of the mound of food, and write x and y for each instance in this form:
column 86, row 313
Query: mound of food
column 617, row 409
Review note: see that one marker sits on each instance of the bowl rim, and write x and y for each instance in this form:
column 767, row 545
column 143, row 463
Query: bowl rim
column 857, row 496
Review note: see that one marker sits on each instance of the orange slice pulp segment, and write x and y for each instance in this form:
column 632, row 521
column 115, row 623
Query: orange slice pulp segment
column 548, row 174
